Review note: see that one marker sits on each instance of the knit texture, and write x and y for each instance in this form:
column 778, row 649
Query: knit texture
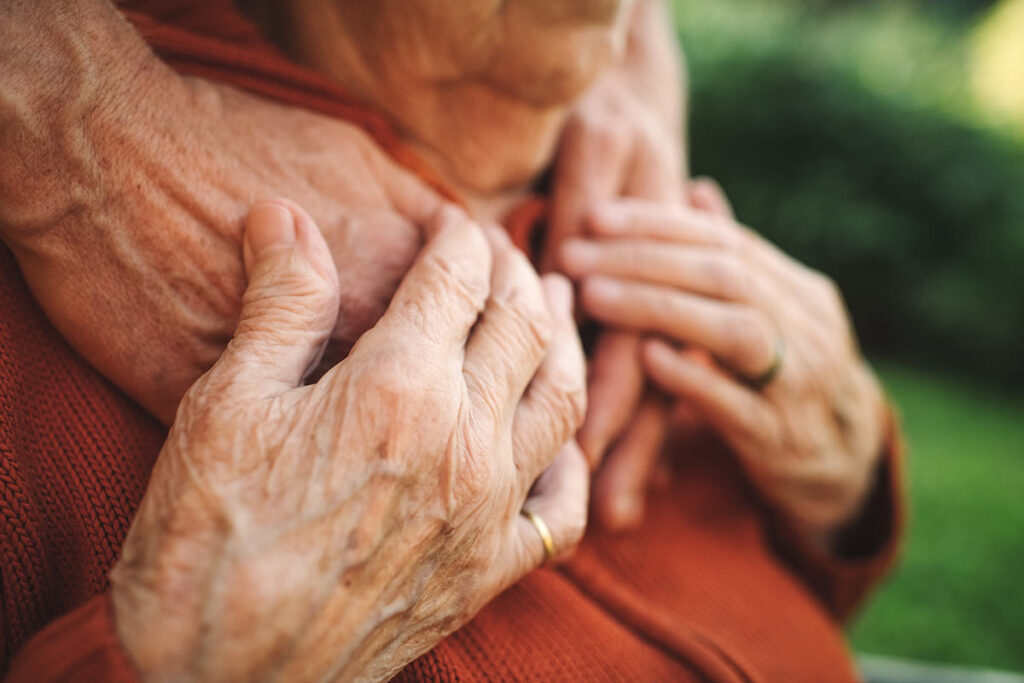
column 708, row 589
column 75, row 455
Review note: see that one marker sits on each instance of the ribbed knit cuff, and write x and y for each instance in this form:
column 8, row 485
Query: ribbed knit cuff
column 80, row 647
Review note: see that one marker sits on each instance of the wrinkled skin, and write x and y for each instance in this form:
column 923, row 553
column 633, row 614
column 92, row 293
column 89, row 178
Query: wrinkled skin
column 340, row 529
column 162, row 171
column 812, row 438
column 136, row 255
column 480, row 89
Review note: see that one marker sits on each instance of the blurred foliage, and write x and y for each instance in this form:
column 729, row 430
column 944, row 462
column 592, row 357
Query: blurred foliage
column 952, row 8
column 848, row 137
column 997, row 62
column 955, row 595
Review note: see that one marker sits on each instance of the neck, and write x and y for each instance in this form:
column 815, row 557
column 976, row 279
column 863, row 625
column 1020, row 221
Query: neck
column 486, row 145
column 486, row 140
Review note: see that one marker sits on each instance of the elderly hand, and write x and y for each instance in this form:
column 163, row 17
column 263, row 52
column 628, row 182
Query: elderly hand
column 811, row 437
column 623, row 139
column 339, row 530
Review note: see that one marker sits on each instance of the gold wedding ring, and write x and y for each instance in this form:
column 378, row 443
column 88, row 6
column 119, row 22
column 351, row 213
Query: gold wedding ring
column 545, row 534
column 766, row 377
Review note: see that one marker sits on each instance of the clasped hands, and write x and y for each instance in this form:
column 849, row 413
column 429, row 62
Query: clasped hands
column 717, row 305
column 695, row 308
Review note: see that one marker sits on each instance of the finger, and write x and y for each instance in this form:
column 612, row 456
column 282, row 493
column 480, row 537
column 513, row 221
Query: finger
column 443, row 294
column 512, row 336
column 555, row 402
column 290, row 304
column 589, row 169
column 708, row 195
column 739, row 336
column 621, row 484
column 651, row 220
column 708, row 271
column 740, row 415
column 560, row 498
column 614, row 390
column 635, row 219
column 655, row 171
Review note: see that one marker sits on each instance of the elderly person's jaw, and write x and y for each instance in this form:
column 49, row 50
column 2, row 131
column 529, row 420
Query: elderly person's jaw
column 481, row 88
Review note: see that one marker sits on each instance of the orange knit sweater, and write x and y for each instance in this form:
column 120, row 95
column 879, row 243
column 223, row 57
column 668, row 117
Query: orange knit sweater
column 710, row 588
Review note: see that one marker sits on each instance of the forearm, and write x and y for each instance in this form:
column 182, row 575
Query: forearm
column 65, row 66
column 103, row 176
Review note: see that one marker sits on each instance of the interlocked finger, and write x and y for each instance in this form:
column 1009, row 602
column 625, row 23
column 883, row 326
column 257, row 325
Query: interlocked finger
column 713, row 272
column 639, row 219
column 742, row 416
column 739, row 336
column 512, row 336
column 555, row 402
column 615, row 387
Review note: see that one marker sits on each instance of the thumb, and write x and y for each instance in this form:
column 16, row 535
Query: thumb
column 290, row 305
column 588, row 170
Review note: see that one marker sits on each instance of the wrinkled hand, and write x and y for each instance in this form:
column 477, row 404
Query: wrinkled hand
column 811, row 439
column 339, row 530
column 134, row 250
column 623, row 139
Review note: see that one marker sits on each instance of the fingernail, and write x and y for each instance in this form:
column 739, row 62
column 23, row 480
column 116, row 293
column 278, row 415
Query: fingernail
column 603, row 288
column 578, row 256
column 269, row 226
column 627, row 511
column 559, row 294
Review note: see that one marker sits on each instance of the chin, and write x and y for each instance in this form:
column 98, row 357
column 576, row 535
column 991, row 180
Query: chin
column 555, row 84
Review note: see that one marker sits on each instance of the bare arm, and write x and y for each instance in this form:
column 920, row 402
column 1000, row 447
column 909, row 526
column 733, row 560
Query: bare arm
column 123, row 186
column 66, row 67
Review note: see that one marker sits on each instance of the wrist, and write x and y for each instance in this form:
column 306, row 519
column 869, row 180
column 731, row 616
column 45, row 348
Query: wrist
column 864, row 414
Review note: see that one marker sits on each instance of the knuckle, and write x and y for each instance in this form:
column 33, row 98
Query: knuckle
column 406, row 386
column 829, row 290
column 747, row 341
column 479, row 476
column 727, row 277
column 564, row 403
column 520, row 300
column 530, row 328
column 604, row 132
column 634, row 256
column 460, row 280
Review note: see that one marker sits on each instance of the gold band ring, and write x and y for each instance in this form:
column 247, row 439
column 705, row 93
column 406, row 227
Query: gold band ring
column 766, row 377
column 545, row 533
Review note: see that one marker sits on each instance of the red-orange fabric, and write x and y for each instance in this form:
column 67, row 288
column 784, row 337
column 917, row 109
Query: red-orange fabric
column 708, row 589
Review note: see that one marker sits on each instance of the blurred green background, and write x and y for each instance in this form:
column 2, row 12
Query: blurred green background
column 883, row 143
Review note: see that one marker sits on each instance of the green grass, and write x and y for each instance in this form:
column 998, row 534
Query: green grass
column 958, row 594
